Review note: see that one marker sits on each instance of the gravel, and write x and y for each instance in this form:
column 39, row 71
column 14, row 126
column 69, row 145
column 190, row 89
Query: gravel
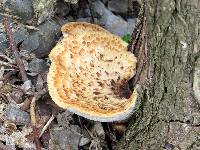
column 17, row 115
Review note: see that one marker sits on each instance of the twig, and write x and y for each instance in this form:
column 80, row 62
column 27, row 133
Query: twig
column 47, row 125
column 31, row 27
column 14, row 48
column 32, row 111
column 33, row 123
column 33, row 118
column 7, row 64
column 9, row 69
column 36, row 138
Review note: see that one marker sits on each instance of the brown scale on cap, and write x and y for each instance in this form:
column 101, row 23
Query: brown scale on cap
column 89, row 73
column 121, row 90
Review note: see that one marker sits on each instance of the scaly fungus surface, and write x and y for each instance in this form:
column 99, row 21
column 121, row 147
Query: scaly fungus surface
column 90, row 71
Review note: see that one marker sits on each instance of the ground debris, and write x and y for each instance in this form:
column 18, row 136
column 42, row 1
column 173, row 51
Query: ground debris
column 17, row 115
column 22, row 138
column 64, row 138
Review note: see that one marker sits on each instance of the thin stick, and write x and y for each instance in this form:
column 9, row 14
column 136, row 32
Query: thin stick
column 33, row 123
column 47, row 125
column 32, row 111
column 14, row 48
column 33, row 118
column 7, row 64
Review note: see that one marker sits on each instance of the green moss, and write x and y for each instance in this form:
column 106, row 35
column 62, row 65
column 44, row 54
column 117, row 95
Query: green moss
column 127, row 38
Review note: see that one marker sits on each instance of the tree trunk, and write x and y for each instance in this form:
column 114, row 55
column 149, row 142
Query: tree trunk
column 169, row 113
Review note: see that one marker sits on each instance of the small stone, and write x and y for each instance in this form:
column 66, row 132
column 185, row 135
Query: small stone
column 37, row 65
column 17, row 115
column 22, row 8
column 41, row 42
column 169, row 146
column 118, row 6
column 26, row 86
column 83, row 141
column 64, row 138
column 20, row 34
column 111, row 22
column 31, row 43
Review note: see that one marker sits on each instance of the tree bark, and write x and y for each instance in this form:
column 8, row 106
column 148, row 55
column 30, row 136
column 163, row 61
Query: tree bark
column 169, row 113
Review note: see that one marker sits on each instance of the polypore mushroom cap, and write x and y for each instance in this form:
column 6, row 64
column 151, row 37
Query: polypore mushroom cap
column 78, row 27
column 89, row 74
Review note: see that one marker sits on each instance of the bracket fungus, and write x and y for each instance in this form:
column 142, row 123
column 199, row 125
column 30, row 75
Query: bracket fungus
column 90, row 71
